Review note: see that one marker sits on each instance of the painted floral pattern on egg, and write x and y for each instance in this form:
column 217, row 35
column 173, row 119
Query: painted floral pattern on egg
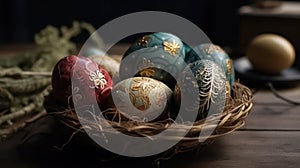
column 158, row 55
column 209, row 79
column 142, row 98
column 215, row 53
column 79, row 80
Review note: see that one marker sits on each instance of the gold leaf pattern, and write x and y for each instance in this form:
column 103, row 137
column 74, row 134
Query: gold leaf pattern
column 172, row 48
column 144, row 41
column 212, row 82
column 229, row 66
column 228, row 89
column 148, row 72
column 143, row 87
column 212, row 48
column 147, row 68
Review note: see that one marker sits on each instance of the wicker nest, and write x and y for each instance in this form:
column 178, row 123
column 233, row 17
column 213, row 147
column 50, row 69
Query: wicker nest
column 235, row 112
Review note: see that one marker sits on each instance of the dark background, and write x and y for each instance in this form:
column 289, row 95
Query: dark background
column 21, row 19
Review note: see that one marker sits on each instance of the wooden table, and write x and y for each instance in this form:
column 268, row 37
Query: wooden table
column 270, row 138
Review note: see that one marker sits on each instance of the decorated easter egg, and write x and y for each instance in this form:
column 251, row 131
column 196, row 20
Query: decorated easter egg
column 190, row 54
column 109, row 64
column 167, row 41
column 159, row 55
column 142, row 99
column 210, row 82
column 103, row 59
column 218, row 55
column 79, row 80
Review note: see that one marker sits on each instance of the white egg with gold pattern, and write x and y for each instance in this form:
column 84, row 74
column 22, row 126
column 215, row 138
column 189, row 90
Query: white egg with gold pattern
column 142, row 99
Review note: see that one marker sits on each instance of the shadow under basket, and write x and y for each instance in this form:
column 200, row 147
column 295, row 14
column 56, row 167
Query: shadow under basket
column 233, row 117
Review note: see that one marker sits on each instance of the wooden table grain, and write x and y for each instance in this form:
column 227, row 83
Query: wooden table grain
column 270, row 138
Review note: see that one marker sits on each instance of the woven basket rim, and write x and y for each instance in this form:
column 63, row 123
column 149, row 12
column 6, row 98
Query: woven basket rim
column 236, row 111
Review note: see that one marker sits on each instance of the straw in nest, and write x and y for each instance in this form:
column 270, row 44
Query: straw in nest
column 233, row 117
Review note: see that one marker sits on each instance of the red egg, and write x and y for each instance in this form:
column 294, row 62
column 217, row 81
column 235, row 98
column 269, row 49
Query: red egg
column 77, row 80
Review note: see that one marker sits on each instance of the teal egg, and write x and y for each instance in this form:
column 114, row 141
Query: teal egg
column 159, row 55
column 170, row 43
column 210, row 82
column 218, row 55
column 190, row 54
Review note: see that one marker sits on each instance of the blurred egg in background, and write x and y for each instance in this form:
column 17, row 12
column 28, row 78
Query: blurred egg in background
column 270, row 53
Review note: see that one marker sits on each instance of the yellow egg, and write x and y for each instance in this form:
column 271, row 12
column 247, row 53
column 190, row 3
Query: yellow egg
column 270, row 53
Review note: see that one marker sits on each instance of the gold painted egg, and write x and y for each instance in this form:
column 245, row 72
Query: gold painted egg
column 142, row 99
column 270, row 53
